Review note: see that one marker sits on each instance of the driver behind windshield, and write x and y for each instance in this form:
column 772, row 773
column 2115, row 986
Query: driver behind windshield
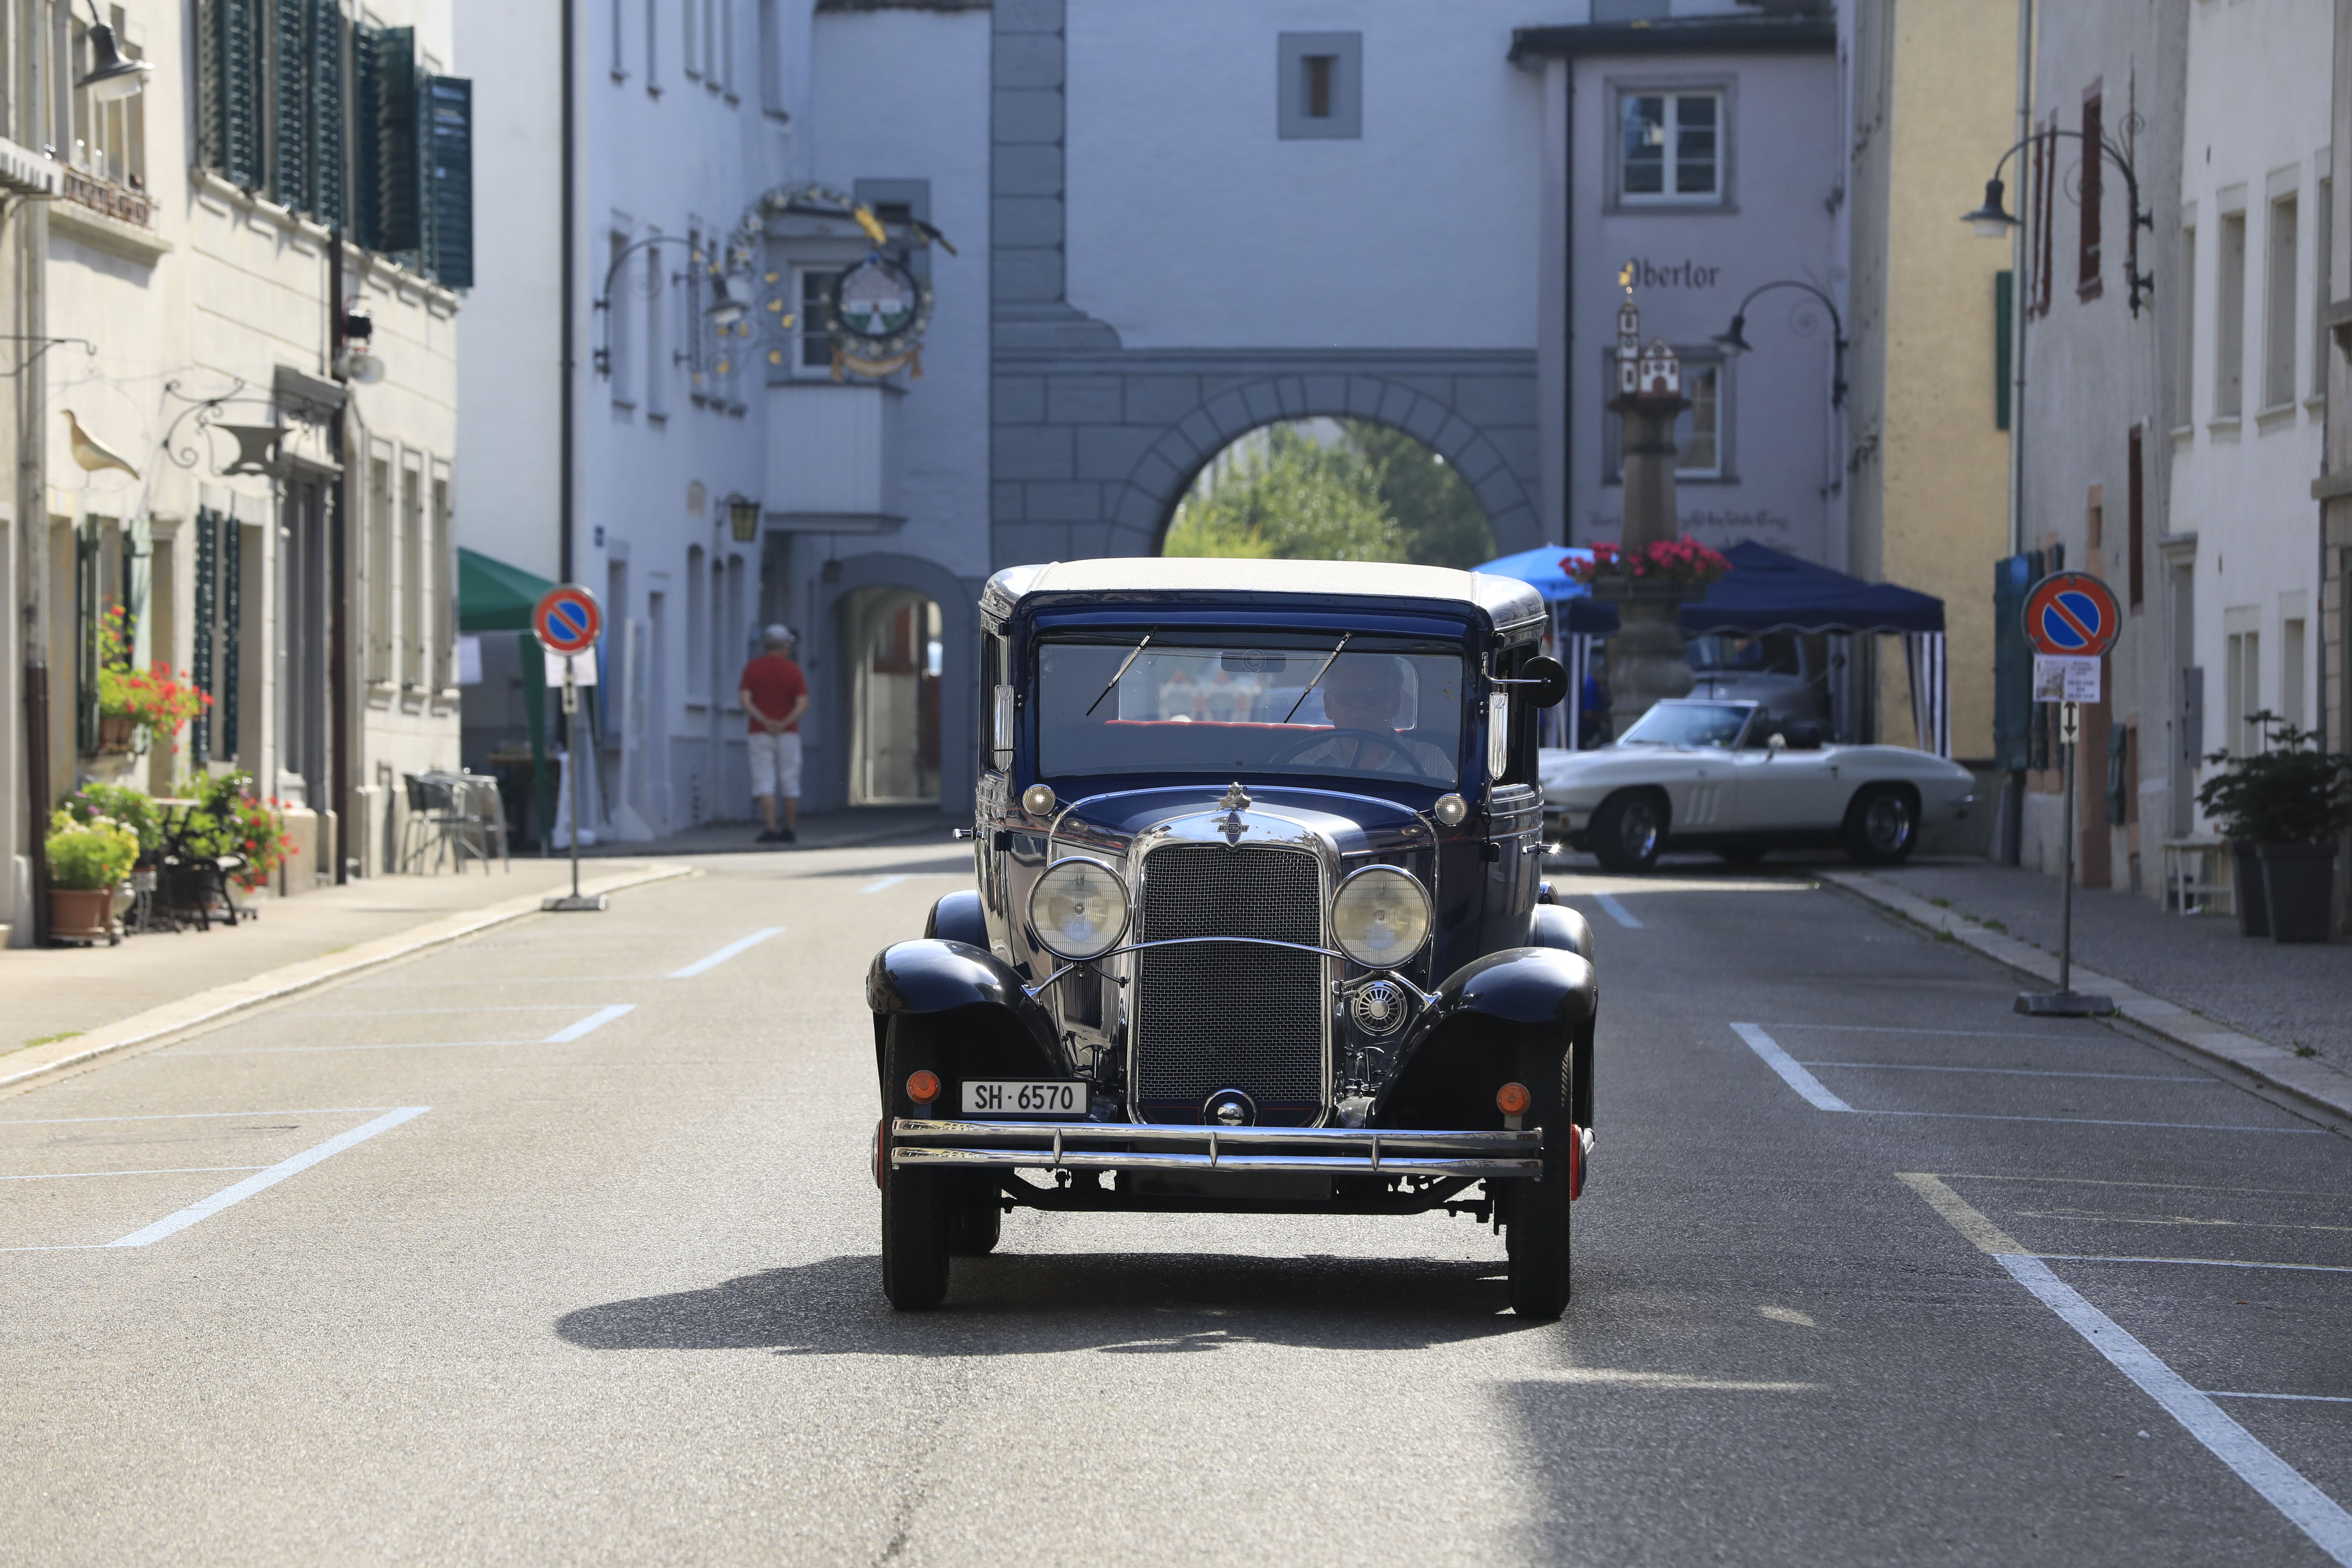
column 1363, row 696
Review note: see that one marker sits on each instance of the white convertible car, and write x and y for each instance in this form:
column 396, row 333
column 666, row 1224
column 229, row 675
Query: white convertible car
column 1727, row 777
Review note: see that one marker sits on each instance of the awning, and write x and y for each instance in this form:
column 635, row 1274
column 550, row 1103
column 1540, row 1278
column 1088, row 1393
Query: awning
column 1543, row 570
column 1770, row 590
column 493, row 597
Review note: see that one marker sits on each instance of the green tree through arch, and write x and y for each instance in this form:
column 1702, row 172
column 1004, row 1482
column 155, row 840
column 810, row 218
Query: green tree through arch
column 1332, row 489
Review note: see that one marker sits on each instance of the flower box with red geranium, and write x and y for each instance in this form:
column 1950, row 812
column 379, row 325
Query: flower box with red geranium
column 1680, row 568
column 130, row 699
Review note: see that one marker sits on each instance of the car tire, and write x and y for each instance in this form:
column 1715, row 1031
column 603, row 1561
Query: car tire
column 975, row 1221
column 1627, row 831
column 1537, row 1235
column 1743, row 853
column 915, row 1208
column 1882, row 825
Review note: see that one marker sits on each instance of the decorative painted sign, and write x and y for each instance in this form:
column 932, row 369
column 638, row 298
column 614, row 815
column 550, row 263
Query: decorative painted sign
column 2071, row 614
column 879, row 308
column 567, row 619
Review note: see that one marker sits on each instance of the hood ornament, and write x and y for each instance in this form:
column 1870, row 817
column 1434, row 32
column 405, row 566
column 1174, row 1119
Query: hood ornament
column 1236, row 801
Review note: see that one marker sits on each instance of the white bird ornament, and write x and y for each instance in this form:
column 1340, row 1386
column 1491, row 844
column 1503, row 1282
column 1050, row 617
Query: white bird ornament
column 92, row 455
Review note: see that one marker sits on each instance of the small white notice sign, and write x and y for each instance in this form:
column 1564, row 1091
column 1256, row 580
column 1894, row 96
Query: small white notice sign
column 2065, row 677
column 584, row 668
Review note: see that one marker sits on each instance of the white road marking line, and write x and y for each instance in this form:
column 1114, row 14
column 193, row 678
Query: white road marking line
column 2205, row 1262
column 294, row 1165
column 2102, row 1039
column 2016, row 1072
column 502, row 979
column 2154, row 1186
column 701, row 965
column 2101, row 1216
column 2097, row 1121
column 1617, row 912
column 2310, row 1398
column 1782, row 1062
column 2305, row 1507
column 166, row 1170
column 197, row 1115
column 596, row 1020
column 420, row 1012
column 881, row 884
column 1619, row 1377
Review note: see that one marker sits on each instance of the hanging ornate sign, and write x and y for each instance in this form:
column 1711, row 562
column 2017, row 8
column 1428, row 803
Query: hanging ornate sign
column 878, row 313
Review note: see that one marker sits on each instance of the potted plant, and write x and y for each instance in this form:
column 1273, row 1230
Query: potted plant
column 1674, row 567
column 2283, row 810
column 87, row 861
column 130, row 699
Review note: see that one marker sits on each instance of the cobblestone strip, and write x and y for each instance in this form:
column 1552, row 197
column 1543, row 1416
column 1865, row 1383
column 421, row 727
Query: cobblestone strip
column 2308, row 1077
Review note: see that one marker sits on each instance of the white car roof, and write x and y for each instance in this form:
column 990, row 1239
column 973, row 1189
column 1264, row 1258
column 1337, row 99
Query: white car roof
column 1506, row 601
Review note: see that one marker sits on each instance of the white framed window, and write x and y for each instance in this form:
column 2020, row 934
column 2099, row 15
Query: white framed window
column 2230, row 319
column 2280, row 298
column 771, row 59
column 1672, row 147
column 109, row 138
column 1319, row 85
column 690, row 57
column 619, row 321
column 812, row 344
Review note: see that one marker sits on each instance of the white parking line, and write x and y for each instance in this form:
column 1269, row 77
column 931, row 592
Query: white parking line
column 2206, row 1262
column 227, row 1197
column 2299, row 1398
column 881, row 884
column 421, row 1012
column 1782, row 1062
column 175, row 1052
column 197, row 1115
column 596, row 1020
column 2101, row 1038
column 2015, row 1072
column 1616, row 911
column 2308, row 1508
column 2100, row 1122
column 745, row 944
column 166, row 1170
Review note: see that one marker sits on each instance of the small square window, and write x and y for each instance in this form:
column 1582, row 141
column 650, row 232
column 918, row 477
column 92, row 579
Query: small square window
column 1670, row 147
column 1319, row 85
column 815, row 351
column 1702, row 441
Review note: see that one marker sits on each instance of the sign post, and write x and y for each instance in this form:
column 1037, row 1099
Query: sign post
column 567, row 622
column 2071, row 620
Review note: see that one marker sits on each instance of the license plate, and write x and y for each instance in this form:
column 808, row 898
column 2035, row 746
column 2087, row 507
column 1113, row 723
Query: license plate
column 1023, row 1097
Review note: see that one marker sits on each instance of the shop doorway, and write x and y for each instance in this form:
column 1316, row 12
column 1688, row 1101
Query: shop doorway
column 892, row 648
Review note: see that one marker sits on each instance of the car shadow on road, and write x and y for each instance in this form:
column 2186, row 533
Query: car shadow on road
column 1023, row 1304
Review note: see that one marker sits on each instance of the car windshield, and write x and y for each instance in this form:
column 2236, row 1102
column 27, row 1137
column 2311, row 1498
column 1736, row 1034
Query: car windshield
column 1368, row 707
column 1687, row 724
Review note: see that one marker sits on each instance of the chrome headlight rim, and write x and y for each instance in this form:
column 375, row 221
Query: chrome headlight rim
column 1039, row 928
column 1382, row 961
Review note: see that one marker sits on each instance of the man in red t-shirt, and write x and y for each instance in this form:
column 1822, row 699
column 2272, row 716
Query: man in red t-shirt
column 774, row 695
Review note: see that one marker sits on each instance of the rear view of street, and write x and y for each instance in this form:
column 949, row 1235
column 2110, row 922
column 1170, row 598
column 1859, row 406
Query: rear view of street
column 558, row 1243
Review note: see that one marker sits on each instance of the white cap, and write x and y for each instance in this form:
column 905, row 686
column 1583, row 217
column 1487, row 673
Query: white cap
column 778, row 633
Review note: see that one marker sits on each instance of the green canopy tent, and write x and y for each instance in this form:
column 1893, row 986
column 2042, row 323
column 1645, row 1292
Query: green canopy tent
column 493, row 597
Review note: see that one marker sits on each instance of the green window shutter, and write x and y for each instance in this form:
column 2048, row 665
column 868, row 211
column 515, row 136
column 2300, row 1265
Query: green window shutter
column 228, row 90
column 200, row 665
column 326, row 84
column 2004, row 338
column 450, row 163
column 289, row 142
column 384, row 197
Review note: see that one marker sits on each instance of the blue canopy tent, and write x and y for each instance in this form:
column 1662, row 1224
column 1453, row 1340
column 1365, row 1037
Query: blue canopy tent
column 1546, row 571
column 1768, row 590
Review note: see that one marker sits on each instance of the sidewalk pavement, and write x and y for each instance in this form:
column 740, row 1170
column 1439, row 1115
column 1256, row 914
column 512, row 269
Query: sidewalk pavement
column 59, row 1007
column 817, row 830
column 2278, row 1010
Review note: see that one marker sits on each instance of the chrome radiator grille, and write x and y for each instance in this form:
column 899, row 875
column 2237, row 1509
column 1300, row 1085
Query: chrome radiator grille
column 1216, row 1015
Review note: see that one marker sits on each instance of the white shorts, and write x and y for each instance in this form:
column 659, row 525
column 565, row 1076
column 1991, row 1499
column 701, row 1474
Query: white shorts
column 775, row 764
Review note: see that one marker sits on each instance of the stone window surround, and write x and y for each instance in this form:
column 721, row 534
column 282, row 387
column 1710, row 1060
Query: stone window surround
column 1346, row 121
column 1726, row 465
column 1616, row 89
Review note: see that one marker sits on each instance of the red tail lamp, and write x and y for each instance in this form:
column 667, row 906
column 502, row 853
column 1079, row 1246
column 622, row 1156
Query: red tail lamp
column 923, row 1085
column 1513, row 1100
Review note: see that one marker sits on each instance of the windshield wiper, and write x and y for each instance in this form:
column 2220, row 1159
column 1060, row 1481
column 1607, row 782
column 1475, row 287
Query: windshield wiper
column 1115, row 679
column 1319, row 674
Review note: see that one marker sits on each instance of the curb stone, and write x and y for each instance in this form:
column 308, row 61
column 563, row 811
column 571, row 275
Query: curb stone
column 2305, row 1078
column 20, row 1068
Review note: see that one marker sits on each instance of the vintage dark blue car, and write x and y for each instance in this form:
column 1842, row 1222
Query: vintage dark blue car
column 1258, row 926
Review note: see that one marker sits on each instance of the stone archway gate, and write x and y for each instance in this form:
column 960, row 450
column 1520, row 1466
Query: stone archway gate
column 1092, row 443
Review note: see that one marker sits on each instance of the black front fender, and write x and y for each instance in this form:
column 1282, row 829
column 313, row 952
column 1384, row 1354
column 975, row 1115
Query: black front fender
column 1557, row 925
column 1498, row 1018
column 972, row 1002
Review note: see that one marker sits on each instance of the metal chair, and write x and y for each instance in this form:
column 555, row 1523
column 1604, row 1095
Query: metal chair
column 480, row 829
column 432, row 815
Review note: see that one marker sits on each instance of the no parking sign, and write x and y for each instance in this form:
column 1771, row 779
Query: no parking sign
column 2071, row 620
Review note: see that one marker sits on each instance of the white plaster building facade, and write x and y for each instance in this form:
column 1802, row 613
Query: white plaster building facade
column 2256, row 200
column 188, row 276
column 870, row 492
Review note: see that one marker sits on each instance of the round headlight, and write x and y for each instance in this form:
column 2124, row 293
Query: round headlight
column 1079, row 908
column 1451, row 810
column 1380, row 917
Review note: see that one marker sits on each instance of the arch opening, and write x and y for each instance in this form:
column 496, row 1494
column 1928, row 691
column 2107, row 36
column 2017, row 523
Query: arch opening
column 1330, row 488
column 892, row 647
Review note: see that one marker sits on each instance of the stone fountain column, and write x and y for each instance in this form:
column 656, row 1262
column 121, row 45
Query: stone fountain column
column 1645, row 658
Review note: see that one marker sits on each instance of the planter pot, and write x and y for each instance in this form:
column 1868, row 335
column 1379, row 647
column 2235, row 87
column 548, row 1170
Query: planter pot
column 116, row 735
column 2299, row 880
column 85, row 914
column 2253, row 905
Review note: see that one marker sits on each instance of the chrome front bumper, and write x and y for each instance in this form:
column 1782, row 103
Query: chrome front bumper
column 1164, row 1146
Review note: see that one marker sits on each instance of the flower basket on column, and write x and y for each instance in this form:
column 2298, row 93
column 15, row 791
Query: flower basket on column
column 1649, row 585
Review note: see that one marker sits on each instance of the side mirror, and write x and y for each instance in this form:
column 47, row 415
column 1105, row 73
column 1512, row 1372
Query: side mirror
column 1543, row 678
column 1779, row 743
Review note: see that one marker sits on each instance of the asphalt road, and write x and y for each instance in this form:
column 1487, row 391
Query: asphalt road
column 559, row 1246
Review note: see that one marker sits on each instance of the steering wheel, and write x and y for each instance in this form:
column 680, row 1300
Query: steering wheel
column 1388, row 743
